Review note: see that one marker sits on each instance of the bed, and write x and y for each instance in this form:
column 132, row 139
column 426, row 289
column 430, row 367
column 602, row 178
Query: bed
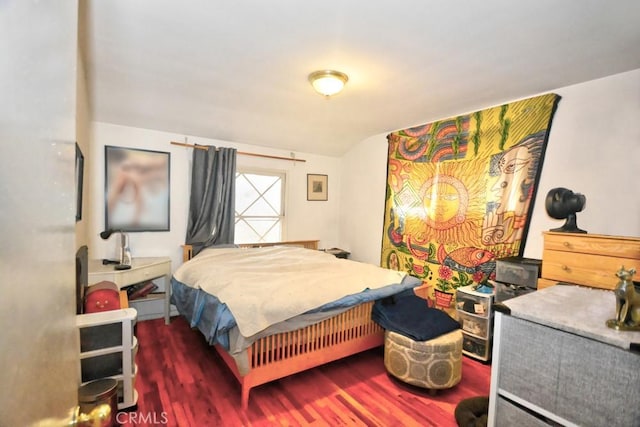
column 262, row 339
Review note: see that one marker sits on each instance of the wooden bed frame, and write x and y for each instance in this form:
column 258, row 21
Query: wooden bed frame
column 187, row 250
column 277, row 356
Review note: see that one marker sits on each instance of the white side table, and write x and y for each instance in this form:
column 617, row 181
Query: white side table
column 142, row 269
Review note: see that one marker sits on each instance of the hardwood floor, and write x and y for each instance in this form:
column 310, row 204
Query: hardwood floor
column 183, row 382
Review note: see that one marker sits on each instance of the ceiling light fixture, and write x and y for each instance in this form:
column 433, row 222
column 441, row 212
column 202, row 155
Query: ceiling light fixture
column 328, row 82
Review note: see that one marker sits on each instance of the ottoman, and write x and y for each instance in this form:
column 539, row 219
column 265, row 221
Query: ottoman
column 433, row 364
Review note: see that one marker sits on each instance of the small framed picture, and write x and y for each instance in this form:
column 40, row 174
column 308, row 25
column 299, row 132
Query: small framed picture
column 317, row 187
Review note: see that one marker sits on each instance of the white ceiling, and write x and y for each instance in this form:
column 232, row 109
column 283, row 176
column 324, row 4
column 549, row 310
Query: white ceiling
column 237, row 70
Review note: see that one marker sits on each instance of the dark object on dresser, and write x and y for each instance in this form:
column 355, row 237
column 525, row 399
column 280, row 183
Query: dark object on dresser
column 563, row 203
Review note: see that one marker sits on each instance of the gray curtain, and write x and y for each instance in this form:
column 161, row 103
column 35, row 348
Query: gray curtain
column 212, row 201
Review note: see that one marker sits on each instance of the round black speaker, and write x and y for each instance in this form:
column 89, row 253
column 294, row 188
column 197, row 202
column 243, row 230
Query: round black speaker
column 562, row 203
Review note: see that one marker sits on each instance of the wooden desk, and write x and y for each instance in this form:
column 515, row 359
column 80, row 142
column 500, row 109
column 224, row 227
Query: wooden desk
column 142, row 269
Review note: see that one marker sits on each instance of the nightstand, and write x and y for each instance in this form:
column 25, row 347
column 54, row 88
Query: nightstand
column 142, row 269
column 337, row 252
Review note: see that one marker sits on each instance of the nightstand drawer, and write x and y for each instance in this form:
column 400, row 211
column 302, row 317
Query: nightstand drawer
column 143, row 274
column 142, row 269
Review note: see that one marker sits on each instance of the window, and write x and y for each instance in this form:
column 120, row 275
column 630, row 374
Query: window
column 259, row 206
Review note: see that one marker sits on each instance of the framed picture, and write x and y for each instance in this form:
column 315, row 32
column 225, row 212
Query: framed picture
column 317, row 187
column 136, row 189
column 79, row 181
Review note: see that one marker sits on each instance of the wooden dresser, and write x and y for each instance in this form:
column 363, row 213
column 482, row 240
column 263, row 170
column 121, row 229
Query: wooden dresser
column 587, row 259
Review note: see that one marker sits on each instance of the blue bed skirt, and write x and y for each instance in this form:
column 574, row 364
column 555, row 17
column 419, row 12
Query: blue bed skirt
column 214, row 319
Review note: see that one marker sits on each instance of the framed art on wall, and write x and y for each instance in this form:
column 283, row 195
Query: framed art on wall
column 317, row 187
column 136, row 189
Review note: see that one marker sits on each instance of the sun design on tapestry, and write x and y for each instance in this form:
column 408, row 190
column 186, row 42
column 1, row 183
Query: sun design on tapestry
column 444, row 205
column 460, row 190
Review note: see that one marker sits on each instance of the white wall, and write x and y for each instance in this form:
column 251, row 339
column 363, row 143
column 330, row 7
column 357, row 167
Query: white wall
column 306, row 219
column 364, row 181
column 593, row 149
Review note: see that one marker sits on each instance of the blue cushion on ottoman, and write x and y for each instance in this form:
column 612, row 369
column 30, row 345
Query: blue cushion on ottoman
column 410, row 316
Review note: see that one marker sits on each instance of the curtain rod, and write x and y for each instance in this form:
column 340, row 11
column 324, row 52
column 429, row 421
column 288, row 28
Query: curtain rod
column 244, row 153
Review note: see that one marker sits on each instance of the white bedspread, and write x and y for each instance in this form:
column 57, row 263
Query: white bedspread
column 264, row 286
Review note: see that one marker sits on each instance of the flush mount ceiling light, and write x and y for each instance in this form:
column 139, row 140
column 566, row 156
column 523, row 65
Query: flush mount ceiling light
column 328, row 82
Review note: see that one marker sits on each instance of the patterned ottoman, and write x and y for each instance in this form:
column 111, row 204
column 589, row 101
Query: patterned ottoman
column 433, row 364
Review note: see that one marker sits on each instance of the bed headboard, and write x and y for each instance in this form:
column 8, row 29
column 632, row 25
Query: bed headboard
column 187, row 250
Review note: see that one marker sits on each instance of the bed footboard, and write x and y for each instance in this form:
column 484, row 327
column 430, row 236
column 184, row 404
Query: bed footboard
column 277, row 356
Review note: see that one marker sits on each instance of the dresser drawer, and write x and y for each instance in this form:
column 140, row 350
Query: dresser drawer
column 618, row 247
column 591, row 270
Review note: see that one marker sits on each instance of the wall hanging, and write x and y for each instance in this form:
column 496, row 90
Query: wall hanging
column 460, row 192
column 136, row 189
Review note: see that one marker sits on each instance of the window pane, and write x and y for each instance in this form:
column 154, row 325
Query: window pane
column 262, row 182
column 259, row 207
column 245, row 193
column 261, row 225
column 274, row 197
column 244, row 234
column 274, row 235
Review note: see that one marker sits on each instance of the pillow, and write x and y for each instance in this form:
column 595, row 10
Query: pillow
column 410, row 316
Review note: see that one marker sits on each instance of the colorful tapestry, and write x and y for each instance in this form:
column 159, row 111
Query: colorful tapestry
column 460, row 192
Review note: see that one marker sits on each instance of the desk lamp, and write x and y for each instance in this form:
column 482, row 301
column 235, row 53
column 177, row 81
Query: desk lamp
column 125, row 252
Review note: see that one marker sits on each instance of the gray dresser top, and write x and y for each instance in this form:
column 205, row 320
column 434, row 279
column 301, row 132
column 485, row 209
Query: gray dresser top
column 575, row 309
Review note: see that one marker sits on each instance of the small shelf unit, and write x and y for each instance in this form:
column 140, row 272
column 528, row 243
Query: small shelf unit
column 108, row 348
column 475, row 315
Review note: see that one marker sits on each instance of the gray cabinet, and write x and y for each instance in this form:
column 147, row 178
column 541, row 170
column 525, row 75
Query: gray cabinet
column 550, row 370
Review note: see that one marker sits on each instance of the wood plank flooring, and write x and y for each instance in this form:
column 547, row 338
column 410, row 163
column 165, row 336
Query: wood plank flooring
column 182, row 381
